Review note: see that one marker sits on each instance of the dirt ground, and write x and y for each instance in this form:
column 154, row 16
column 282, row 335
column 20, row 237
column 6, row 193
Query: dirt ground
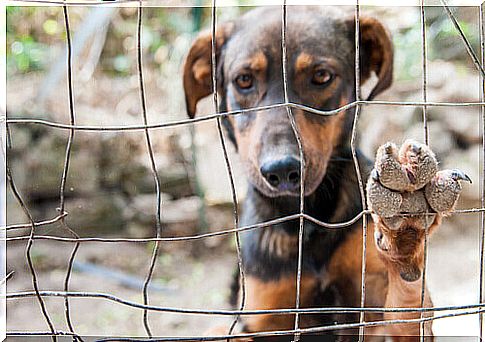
column 183, row 282
column 191, row 275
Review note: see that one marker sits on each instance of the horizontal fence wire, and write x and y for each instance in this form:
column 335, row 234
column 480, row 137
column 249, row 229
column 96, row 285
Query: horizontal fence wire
column 212, row 116
column 129, row 303
column 358, row 104
column 314, row 330
column 249, row 227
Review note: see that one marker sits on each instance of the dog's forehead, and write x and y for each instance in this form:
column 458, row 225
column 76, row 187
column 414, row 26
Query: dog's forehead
column 314, row 30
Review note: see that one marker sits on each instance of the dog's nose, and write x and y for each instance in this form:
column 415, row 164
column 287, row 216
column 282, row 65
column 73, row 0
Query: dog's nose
column 283, row 174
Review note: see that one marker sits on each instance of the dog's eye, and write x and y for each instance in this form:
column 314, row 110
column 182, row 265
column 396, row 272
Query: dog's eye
column 321, row 77
column 244, row 81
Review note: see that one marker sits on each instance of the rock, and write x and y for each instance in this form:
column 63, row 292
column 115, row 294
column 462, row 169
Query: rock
column 37, row 166
column 463, row 123
column 383, row 124
column 143, row 209
column 15, row 215
column 439, row 73
column 182, row 210
column 440, row 138
column 96, row 214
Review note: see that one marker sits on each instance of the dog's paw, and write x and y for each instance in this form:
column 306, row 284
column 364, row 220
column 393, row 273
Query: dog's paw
column 406, row 194
column 408, row 182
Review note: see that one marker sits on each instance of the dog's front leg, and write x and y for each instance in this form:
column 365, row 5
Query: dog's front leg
column 402, row 252
column 408, row 198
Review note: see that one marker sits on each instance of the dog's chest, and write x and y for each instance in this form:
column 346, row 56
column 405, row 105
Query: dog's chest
column 272, row 252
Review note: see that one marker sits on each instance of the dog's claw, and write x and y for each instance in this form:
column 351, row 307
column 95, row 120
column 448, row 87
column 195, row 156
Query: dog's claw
column 415, row 147
column 460, row 175
column 389, row 148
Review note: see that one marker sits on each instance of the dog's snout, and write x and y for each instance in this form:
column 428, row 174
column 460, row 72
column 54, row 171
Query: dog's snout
column 282, row 174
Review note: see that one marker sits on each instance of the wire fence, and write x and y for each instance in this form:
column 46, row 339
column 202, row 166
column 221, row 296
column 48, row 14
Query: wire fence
column 297, row 311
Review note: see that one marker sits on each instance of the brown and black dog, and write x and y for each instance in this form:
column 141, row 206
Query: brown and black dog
column 320, row 63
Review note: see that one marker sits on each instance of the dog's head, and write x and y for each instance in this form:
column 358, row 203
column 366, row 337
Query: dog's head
column 321, row 74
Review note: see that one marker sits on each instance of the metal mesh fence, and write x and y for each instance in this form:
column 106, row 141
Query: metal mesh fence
column 146, row 307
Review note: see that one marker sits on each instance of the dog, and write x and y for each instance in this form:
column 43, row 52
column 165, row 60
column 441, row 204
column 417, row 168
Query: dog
column 320, row 44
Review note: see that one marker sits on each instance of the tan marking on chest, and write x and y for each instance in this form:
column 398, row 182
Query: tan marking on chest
column 280, row 294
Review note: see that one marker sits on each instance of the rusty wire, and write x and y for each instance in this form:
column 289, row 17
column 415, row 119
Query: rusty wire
column 211, row 116
column 125, row 302
column 146, row 127
column 480, row 67
column 30, row 242
column 296, row 133
column 355, row 159
column 156, row 177
column 426, row 141
column 215, row 98
column 76, row 3
column 258, row 225
column 322, row 224
column 67, row 159
column 482, row 183
column 278, row 332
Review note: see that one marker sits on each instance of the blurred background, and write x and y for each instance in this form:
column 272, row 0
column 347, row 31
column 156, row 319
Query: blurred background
column 110, row 190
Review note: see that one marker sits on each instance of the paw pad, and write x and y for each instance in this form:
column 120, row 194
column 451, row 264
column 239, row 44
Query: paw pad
column 408, row 181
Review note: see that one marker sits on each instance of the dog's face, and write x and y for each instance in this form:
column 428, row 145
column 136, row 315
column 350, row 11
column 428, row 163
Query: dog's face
column 321, row 74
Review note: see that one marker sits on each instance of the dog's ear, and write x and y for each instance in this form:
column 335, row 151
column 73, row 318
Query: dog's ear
column 376, row 53
column 198, row 66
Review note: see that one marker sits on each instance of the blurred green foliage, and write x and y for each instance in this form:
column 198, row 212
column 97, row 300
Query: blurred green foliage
column 24, row 52
column 443, row 40
column 161, row 27
column 35, row 35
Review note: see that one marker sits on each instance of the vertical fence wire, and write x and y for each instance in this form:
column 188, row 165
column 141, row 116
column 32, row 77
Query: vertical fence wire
column 30, row 241
column 482, row 174
column 468, row 47
column 215, row 97
column 296, row 132
column 67, row 159
column 424, row 57
column 156, row 248
column 479, row 65
column 355, row 159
